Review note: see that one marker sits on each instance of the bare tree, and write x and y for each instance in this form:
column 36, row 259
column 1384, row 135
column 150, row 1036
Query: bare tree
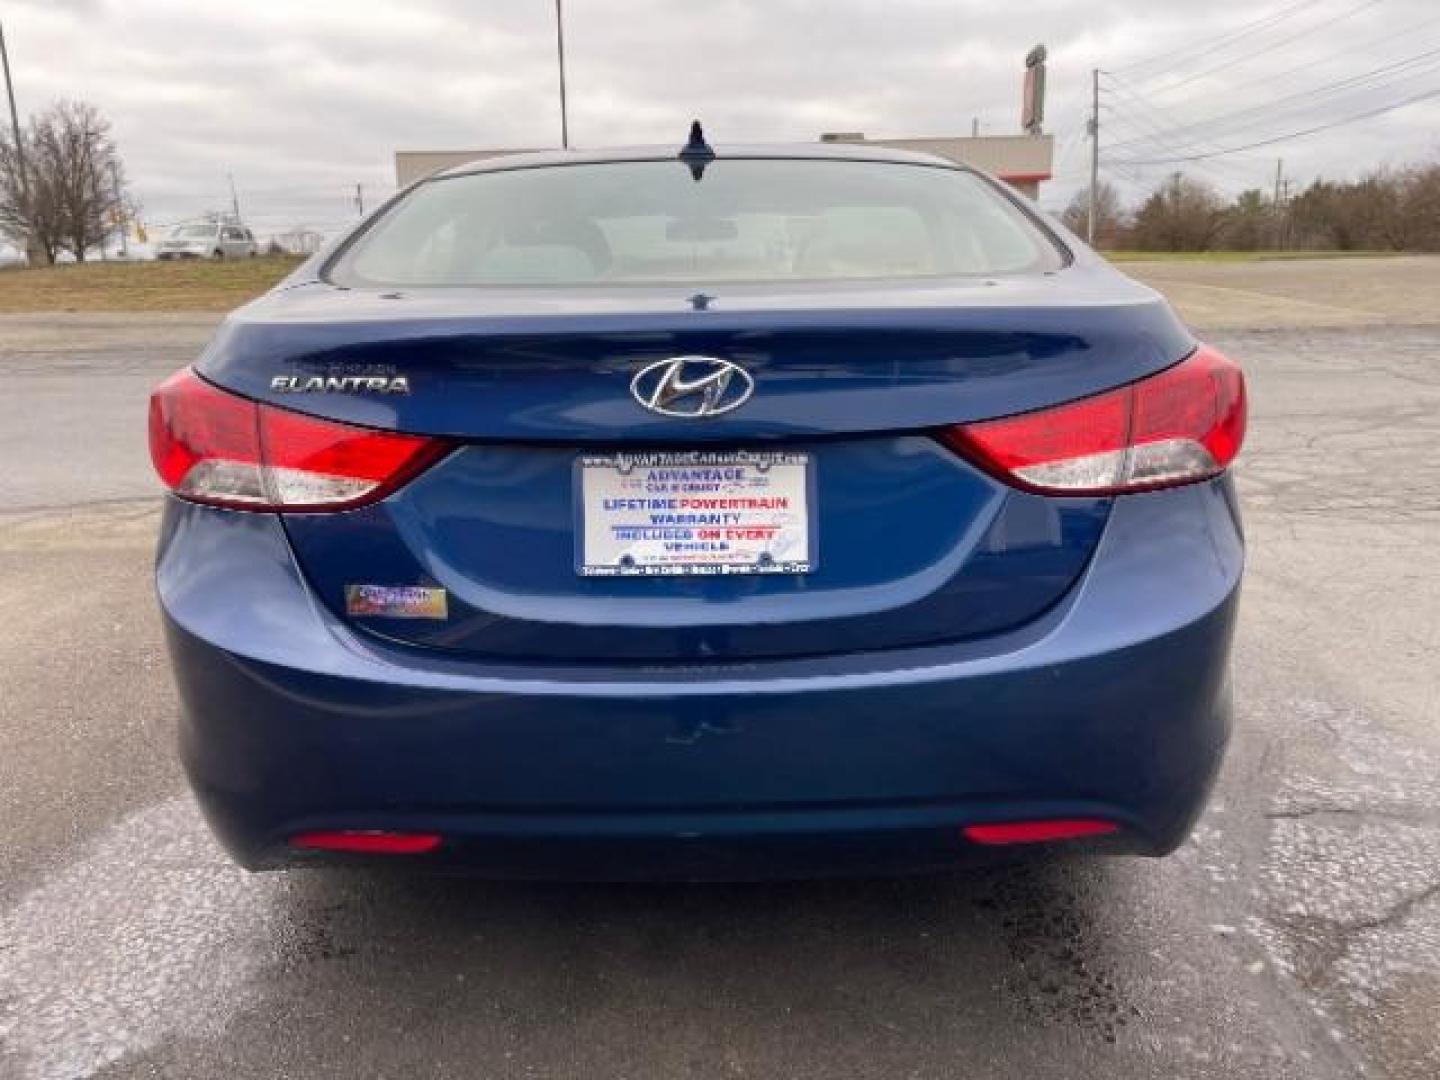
column 1395, row 209
column 1402, row 207
column 1386, row 209
column 76, row 149
column 29, row 213
column 1182, row 214
column 1422, row 204
column 1323, row 216
column 1109, row 214
column 75, row 187
column 1252, row 223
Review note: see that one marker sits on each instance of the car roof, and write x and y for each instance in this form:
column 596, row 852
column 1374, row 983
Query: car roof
column 835, row 151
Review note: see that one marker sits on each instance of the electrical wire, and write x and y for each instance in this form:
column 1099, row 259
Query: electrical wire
column 1344, row 54
column 1226, row 173
column 1204, row 72
column 1388, row 75
column 1391, row 107
column 1160, row 127
column 1257, row 26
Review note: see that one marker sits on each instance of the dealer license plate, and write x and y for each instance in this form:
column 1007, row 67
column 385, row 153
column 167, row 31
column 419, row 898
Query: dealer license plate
column 694, row 513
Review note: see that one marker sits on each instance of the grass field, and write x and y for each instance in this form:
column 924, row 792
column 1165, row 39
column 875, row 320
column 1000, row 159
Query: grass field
column 203, row 285
column 1237, row 256
column 189, row 285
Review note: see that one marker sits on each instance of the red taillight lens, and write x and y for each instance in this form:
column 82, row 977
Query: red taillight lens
column 210, row 446
column 1036, row 832
column 1182, row 425
column 367, row 842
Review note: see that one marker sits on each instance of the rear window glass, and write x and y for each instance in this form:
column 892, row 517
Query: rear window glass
column 759, row 220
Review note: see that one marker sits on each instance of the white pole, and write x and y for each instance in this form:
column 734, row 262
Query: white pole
column 1094, row 154
column 560, row 51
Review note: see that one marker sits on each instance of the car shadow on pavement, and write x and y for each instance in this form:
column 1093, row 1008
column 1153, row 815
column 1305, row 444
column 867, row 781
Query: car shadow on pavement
column 1031, row 934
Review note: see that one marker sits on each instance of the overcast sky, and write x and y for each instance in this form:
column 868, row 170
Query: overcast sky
column 302, row 100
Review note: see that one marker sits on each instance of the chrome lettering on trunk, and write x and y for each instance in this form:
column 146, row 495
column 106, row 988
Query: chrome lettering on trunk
column 340, row 384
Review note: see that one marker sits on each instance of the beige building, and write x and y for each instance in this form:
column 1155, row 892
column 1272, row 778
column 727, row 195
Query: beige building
column 412, row 165
column 1022, row 160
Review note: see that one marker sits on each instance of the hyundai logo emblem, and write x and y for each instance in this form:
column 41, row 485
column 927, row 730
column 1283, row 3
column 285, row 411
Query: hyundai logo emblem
column 691, row 387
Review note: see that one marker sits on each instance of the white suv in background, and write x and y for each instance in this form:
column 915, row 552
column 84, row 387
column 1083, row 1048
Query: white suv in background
column 208, row 240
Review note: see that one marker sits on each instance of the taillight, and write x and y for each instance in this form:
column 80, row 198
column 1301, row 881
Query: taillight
column 1182, row 425
column 212, row 447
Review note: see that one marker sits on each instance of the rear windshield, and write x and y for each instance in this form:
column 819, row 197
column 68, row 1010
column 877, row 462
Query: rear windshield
column 757, row 220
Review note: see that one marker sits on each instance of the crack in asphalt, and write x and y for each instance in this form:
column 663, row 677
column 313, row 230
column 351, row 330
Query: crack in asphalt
column 1395, row 915
column 1297, row 813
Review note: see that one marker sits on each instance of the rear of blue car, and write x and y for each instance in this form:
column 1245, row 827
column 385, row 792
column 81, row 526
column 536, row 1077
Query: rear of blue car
column 610, row 518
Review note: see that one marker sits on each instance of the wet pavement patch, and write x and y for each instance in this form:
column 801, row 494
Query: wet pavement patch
column 1062, row 969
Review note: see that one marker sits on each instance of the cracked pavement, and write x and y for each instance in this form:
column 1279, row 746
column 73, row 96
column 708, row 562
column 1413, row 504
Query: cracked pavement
column 1296, row 935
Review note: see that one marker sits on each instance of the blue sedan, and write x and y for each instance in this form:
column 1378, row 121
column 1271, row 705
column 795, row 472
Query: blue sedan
column 751, row 512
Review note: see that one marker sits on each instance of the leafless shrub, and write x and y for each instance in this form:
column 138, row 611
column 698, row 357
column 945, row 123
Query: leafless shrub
column 1182, row 214
column 1111, row 220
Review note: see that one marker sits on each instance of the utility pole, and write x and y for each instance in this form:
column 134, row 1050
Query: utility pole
column 1285, row 219
column 1094, row 154
column 359, row 200
column 974, row 127
column 1279, row 180
column 234, row 198
column 30, row 248
column 120, row 209
column 560, row 51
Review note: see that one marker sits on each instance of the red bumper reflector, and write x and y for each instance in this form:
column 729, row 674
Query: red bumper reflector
column 368, row 842
column 1034, row 832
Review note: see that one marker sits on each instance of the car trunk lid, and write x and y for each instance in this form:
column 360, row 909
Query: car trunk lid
column 912, row 544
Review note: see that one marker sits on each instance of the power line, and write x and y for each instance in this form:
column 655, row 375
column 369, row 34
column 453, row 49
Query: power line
column 1294, row 134
column 1347, row 13
column 1173, row 136
column 1227, row 173
column 1343, row 54
column 1069, row 136
column 1260, row 24
column 1166, row 123
column 1269, row 110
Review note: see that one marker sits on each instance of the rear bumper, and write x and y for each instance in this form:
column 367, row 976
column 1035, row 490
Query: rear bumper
column 1113, row 705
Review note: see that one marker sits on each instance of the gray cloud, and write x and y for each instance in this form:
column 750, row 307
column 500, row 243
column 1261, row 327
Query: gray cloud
column 302, row 101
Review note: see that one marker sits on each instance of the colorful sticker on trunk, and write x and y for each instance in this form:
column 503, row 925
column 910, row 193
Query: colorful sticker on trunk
column 396, row 601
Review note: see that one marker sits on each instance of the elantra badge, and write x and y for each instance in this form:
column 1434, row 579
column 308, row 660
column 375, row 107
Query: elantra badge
column 340, row 384
column 692, row 387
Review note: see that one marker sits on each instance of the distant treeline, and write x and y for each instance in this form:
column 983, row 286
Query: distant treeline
column 1385, row 210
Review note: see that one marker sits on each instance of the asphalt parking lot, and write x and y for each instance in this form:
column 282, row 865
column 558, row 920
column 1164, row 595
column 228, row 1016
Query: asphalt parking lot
column 1296, row 935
